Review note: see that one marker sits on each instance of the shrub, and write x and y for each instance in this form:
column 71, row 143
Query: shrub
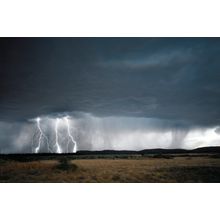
column 65, row 164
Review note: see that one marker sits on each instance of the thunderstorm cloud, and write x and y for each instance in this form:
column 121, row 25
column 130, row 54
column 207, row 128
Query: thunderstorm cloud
column 119, row 93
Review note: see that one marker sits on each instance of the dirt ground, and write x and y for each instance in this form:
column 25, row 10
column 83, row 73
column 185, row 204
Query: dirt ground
column 144, row 170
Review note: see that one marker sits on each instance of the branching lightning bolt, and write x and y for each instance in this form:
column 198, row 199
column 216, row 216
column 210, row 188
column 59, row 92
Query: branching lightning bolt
column 56, row 137
column 70, row 137
column 41, row 136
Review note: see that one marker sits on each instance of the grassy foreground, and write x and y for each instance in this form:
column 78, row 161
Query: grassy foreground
column 157, row 168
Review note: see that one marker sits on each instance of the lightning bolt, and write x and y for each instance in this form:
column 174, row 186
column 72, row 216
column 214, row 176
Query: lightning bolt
column 70, row 137
column 41, row 137
column 56, row 136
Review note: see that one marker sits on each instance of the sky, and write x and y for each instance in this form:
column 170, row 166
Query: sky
column 70, row 94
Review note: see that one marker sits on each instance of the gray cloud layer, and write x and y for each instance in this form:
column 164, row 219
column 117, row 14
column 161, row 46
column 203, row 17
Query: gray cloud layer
column 171, row 78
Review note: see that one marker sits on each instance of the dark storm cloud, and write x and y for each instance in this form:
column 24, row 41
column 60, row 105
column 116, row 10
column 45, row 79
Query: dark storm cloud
column 165, row 78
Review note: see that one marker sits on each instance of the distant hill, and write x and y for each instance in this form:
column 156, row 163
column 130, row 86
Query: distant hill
column 212, row 149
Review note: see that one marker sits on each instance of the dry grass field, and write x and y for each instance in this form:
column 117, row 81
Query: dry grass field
column 204, row 168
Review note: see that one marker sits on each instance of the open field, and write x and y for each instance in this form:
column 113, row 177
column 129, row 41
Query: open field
column 134, row 168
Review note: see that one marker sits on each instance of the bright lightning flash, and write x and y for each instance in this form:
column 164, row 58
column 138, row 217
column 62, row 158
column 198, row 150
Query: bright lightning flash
column 56, row 138
column 70, row 137
column 41, row 137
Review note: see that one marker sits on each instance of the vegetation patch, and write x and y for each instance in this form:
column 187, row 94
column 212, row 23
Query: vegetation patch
column 163, row 156
column 65, row 164
column 203, row 174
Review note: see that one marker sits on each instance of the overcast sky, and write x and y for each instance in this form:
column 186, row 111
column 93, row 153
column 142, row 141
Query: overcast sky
column 173, row 82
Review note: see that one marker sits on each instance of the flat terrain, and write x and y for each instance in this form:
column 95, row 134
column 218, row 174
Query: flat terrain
column 142, row 169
